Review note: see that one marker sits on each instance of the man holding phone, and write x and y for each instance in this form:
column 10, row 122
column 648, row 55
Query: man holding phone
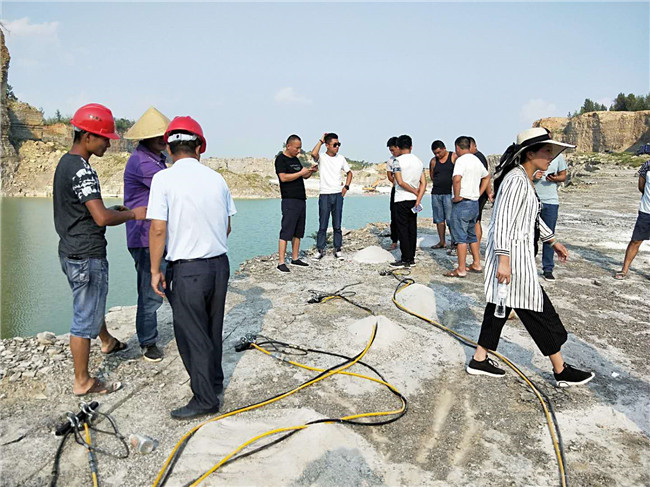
column 546, row 184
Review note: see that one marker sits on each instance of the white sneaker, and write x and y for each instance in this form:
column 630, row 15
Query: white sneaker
column 338, row 254
column 319, row 255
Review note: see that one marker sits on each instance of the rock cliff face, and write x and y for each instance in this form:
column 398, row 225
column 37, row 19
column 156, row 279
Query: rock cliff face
column 8, row 156
column 601, row 131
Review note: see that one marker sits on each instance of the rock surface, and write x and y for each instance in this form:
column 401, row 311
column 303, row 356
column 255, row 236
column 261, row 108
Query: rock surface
column 601, row 131
column 459, row 430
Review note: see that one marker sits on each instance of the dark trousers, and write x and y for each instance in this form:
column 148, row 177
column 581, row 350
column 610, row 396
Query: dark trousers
column 549, row 215
column 197, row 292
column 406, row 223
column 393, row 224
column 545, row 327
column 146, row 324
column 330, row 203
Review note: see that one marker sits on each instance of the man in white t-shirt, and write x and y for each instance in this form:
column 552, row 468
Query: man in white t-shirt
column 470, row 180
column 331, row 164
column 641, row 230
column 410, row 186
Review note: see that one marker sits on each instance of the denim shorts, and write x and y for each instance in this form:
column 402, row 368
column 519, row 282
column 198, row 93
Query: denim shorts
column 464, row 215
column 88, row 279
column 441, row 204
column 642, row 227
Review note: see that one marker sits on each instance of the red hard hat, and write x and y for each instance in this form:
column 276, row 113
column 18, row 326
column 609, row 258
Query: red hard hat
column 187, row 124
column 96, row 119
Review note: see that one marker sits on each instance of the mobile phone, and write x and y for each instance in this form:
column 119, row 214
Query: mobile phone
column 417, row 209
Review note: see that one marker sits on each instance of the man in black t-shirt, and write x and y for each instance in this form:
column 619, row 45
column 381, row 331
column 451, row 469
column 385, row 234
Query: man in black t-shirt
column 292, row 188
column 487, row 195
column 80, row 218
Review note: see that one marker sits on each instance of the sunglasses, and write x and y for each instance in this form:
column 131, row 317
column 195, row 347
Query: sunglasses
column 337, row 144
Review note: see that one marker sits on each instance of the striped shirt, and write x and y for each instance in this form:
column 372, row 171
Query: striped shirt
column 511, row 232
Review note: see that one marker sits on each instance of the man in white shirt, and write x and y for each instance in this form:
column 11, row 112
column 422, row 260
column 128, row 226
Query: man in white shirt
column 409, row 190
column 330, row 201
column 469, row 181
column 641, row 230
column 192, row 205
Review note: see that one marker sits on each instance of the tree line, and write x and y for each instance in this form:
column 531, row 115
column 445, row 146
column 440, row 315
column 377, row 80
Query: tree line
column 622, row 103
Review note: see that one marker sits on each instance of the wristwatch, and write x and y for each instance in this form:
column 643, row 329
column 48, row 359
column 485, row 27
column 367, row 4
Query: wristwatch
column 347, row 187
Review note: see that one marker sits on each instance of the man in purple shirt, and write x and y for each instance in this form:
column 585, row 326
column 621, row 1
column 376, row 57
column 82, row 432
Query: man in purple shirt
column 147, row 159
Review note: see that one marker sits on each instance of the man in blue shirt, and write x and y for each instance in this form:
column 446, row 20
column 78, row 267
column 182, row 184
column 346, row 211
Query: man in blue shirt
column 546, row 184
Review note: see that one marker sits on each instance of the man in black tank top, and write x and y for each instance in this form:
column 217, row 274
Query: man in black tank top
column 441, row 169
column 487, row 195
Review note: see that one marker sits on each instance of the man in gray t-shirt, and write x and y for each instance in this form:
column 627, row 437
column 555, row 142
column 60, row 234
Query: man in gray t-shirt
column 546, row 183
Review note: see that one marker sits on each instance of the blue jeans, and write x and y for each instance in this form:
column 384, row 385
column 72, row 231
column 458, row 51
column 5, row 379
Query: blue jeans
column 549, row 215
column 441, row 206
column 88, row 279
column 146, row 322
column 463, row 218
column 330, row 203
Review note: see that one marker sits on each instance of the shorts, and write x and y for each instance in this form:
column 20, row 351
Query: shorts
column 441, row 205
column 481, row 204
column 642, row 227
column 463, row 221
column 88, row 279
column 293, row 219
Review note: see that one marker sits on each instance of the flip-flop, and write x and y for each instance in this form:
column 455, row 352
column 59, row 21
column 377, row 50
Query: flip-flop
column 118, row 347
column 471, row 269
column 100, row 387
column 454, row 273
column 620, row 276
column 438, row 246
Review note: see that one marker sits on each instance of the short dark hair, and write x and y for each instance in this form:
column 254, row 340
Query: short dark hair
column 472, row 140
column 392, row 142
column 404, row 142
column 330, row 136
column 78, row 134
column 462, row 142
column 437, row 144
column 184, row 146
column 291, row 138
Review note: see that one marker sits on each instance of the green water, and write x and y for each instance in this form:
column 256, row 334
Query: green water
column 35, row 292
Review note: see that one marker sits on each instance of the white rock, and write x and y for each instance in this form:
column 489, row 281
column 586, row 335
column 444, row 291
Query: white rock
column 373, row 255
column 46, row 338
column 427, row 241
column 419, row 299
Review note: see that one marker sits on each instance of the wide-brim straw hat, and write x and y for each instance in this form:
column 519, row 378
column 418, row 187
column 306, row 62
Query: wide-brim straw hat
column 539, row 135
column 151, row 124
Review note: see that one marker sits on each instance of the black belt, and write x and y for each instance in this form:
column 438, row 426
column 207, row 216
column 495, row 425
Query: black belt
column 185, row 261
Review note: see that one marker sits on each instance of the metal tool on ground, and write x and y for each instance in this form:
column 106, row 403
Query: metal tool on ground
column 85, row 420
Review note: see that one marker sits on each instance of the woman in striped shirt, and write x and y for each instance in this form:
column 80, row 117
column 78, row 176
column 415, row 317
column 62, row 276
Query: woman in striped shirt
column 510, row 259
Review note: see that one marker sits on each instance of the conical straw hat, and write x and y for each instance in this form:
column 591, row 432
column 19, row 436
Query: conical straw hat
column 151, row 124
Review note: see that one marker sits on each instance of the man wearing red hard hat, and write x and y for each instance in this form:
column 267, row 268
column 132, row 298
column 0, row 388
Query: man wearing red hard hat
column 80, row 219
column 191, row 205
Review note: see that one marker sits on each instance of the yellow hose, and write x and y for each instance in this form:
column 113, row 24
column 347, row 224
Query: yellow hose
column 549, row 419
column 88, row 440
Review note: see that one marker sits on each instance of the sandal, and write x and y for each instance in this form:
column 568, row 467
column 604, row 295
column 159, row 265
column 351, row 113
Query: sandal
column 476, row 271
column 100, row 387
column 620, row 275
column 439, row 245
column 454, row 273
column 118, row 347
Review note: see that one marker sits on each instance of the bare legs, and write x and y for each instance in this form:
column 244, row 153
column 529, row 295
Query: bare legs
column 441, row 234
column 630, row 254
column 80, row 348
column 282, row 249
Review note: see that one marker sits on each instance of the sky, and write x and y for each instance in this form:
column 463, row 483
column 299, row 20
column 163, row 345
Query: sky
column 254, row 73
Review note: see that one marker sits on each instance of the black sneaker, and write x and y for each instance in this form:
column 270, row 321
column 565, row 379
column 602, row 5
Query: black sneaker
column 398, row 264
column 299, row 262
column 412, row 263
column 548, row 275
column 571, row 376
column 486, row 367
column 152, row 353
column 283, row 268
